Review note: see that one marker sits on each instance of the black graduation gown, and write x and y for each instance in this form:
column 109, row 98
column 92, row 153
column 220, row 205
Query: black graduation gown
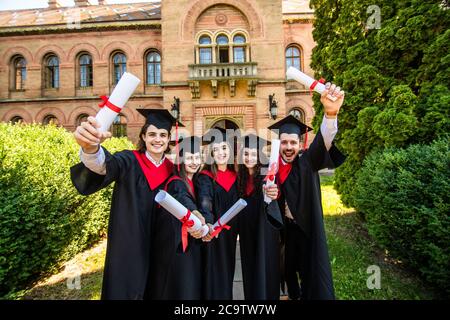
column 176, row 274
column 220, row 253
column 301, row 190
column 259, row 242
column 131, row 221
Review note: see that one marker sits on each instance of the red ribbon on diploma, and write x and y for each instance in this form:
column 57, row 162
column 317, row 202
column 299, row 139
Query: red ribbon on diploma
column 219, row 228
column 314, row 84
column 107, row 103
column 271, row 173
column 186, row 224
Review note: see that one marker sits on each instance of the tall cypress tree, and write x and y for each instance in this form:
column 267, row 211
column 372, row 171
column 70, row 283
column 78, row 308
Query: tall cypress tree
column 396, row 77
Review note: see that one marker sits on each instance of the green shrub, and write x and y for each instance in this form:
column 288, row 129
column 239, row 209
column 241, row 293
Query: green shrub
column 43, row 220
column 404, row 194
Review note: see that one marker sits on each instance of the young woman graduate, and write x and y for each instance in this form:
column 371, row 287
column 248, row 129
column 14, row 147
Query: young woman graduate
column 178, row 273
column 259, row 233
column 216, row 192
column 306, row 251
column 138, row 176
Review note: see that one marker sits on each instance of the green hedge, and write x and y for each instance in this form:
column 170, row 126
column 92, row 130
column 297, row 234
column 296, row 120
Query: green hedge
column 405, row 196
column 43, row 220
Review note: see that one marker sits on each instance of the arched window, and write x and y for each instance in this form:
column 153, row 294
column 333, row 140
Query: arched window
column 85, row 64
column 298, row 113
column 19, row 73
column 205, row 49
column 119, row 126
column 81, row 118
column 51, row 72
column 16, row 119
column 239, row 48
column 293, row 57
column 223, row 49
column 50, row 119
column 153, row 68
column 119, row 66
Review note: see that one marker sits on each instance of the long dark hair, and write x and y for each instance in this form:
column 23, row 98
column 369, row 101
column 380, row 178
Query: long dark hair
column 183, row 174
column 244, row 176
column 141, row 147
column 211, row 165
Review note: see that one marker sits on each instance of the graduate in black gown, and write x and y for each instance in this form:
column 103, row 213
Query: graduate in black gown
column 216, row 187
column 306, row 251
column 138, row 176
column 259, row 233
column 178, row 273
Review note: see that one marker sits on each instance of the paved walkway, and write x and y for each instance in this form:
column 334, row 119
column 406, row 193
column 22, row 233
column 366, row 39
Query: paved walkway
column 238, row 289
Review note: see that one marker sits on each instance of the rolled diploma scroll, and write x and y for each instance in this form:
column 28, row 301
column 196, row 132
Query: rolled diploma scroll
column 230, row 214
column 307, row 81
column 179, row 211
column 119, row 97
column 273, row 166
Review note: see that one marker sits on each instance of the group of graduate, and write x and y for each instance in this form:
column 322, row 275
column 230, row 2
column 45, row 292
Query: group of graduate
column 280, row 243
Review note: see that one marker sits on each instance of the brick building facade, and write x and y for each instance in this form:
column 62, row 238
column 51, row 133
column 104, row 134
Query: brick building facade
column 222, row 59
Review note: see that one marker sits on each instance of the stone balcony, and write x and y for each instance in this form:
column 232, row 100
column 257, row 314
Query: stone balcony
column 230, row 72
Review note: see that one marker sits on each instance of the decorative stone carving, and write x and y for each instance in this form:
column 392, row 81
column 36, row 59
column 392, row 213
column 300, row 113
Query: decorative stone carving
column 214, row 87
column 232, row 84
column 221, row 19
column 251, row 87
column 195, row 89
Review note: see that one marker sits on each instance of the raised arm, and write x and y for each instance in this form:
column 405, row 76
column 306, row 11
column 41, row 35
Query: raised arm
column 98, row 168
column 322, row 153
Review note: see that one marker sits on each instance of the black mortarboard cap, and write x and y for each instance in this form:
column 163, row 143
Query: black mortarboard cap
column 290, row 124
column 160, row 118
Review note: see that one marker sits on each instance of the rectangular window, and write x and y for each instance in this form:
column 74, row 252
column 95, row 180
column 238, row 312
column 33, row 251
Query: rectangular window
column 119, row 70
column 86, row 76
column 205, row 55
column 153, row 73
column 150, row 73
column 53, row 77
column 239, row 54
column 158, row 74
column 83, row 77
column 21, row 76
column 293, row 62
column 223, row 55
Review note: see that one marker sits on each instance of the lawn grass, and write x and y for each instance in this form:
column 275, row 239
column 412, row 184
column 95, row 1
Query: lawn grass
column 351, row 250
column 88, row 265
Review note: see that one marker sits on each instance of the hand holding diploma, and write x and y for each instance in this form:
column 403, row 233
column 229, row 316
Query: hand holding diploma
column 329, row 92
column 188, row 220
column 332, row 107
column 197, row 234
column 224, row 219
column 88, row 135
column 111, row 107
column 273, row 169
column 91, row 133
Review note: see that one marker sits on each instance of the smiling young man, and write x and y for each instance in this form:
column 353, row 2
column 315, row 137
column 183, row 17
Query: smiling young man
column 306, row 251
column 138, row 176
